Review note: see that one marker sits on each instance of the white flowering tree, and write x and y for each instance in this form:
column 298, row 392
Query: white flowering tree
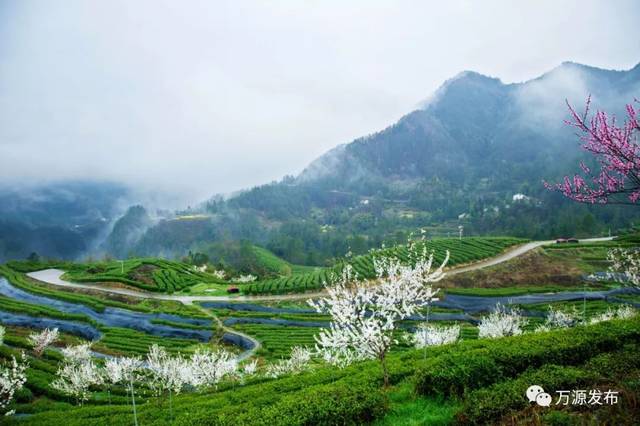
column 12, row 378
column 557, row 318
column 124, row 370
column 167, row 373
column 297, row 362
column 76, row 378
column 250, row 368
column 220, row 274
column 502, row 322
column 365, row 315
column 430, row 335
column 246, row 278
column 40, row 341
column 207, row 367
column 626, row 261
column 77, row 354
column 621, row 312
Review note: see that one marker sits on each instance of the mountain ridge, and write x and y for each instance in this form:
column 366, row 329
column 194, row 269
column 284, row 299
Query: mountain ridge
column 463, row 153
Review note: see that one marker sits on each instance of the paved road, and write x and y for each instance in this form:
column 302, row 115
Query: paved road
column 513, row 253
column 53, row 276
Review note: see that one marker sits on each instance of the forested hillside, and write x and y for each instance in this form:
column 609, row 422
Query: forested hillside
column 475, row 154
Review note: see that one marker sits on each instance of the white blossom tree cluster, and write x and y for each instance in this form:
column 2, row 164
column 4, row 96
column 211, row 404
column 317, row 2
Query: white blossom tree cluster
column 501, row 322
column 432, row 335
column 510, row 322
column 365, row 315
column 219, row 273
column 40, row 341
column 246, row 278
column 12, row 378
column 621, row 312
column 626, row 261
column 298, row 361
column 77, row 373
column 557, row 318
column 161, row 372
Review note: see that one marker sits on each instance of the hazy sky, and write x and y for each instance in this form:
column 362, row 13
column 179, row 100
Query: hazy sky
column 199, row 97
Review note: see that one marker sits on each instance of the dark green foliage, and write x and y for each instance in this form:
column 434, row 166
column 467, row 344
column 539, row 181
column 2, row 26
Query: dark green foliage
column 462, row 251
column 322, row 397
column 471, row 365
column 485, row 405
column 156, row 275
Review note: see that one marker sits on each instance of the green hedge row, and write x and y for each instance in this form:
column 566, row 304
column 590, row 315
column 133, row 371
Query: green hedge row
column 331, row 404
column 462, row 251
column 484, row 406
column 321, row 397
column 472, row 365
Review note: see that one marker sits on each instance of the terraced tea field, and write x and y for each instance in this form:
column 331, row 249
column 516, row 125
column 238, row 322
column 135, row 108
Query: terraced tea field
column 462, row 251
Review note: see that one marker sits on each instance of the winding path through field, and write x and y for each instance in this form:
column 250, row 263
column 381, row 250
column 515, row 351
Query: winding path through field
column 54, row 277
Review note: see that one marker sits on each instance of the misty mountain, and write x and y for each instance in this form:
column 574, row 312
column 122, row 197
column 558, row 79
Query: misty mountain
column 477, row 131
column 61, row 220
column 460, row 158
column 127, row 231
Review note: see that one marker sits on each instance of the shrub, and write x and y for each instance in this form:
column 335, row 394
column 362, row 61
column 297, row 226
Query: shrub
column 340, row 403
column 486, row 405
column 464, row 368
column 454, row 373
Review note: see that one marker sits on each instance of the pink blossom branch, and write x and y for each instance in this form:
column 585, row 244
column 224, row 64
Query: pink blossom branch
column 617, row 152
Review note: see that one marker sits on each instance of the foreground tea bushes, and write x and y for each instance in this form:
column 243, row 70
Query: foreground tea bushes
column 464, row 371
column 489, row 404
column 472, row 365
column 485, row 405
column 323, row 396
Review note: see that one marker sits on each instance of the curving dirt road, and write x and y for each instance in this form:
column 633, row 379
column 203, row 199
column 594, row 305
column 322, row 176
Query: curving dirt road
column 513, row 253
column 53, row 276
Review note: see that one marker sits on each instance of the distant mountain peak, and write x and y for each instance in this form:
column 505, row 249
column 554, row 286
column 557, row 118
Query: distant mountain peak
column 578, row 67
column 473, row 75
column 472, row 119
column 462, row 80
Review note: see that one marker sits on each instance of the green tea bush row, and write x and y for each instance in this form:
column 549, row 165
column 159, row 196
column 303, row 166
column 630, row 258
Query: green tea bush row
column 471, row 365
column 485, row 406
column 324, row 396
column 462, row 251
column 12, row 305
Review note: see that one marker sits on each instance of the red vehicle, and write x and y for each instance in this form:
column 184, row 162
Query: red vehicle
column 233, row 290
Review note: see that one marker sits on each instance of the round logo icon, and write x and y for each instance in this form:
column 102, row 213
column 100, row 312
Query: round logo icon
column 533, row 391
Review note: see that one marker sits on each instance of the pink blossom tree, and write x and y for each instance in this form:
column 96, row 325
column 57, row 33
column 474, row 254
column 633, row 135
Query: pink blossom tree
column 615, row 147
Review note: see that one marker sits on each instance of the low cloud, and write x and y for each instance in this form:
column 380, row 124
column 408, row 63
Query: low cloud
column 196, row 98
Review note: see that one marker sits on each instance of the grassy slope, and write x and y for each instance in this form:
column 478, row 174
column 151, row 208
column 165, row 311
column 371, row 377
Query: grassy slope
column 115, row 340
column 421, row 388
column 165, row 276
column 467, row 250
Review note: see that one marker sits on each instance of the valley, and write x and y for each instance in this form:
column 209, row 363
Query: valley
column 303, row 213
column 121, row 316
